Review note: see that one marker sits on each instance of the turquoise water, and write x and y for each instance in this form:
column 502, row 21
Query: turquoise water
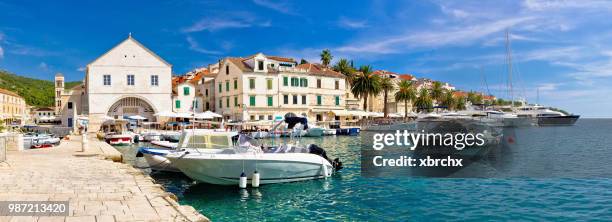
column 543, row 193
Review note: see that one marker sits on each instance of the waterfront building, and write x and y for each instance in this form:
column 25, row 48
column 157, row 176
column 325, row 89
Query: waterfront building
column 13, row 110
column 261, row 87
column 127, row 80
column 44, row 115
column 376, row 103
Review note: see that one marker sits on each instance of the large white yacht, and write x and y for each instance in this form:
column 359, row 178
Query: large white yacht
column 545, row 116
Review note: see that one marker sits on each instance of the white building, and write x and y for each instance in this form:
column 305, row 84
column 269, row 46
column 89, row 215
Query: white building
column 262, row 87
column 127, row 80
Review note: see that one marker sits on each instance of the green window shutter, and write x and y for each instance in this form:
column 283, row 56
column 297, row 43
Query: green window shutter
column 227, row 102
column 235, row 84
column 270, row 101
column 252, row 83
column 252, row 100
column 305, row 82
column 220, row 87
column 227, row 86
column 285, row 81
column 186, row 91
column 236, row 101
column 269, row 81
column 319, row 100
column 220, row 103
column 177, row 104
column 337, row 100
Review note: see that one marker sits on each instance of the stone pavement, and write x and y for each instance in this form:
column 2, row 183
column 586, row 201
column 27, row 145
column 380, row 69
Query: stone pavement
column 97, row 189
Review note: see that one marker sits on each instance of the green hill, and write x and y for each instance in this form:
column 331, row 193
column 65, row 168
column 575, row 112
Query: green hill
column 36, row 92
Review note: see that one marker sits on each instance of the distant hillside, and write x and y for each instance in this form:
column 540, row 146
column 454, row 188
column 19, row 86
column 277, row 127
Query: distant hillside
column 36, row 92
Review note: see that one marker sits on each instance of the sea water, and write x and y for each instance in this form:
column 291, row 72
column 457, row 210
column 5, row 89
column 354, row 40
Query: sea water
column 547, row 173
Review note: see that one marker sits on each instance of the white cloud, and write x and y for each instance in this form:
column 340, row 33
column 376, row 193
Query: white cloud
column 81, row 69
column 279, row 6
column 1, row 52
column 347, row 23
column 226, row 21
column 431, row 38
column 195, row 46
column 541, row 5
column 43, row 66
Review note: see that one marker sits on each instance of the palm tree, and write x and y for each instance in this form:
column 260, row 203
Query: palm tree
column 366, row 84
column 386, row 85
column 344, row 66
column 437, row 92
column 406, row 93
column 326, row 57
column 424, row 101
column 448, row 100
column 460, row 103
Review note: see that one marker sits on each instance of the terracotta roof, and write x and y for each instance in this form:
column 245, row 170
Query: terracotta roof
column 43, row 109
column 459, row 94
column 318, row 69
column 199, row 76
column 281, row 59
column 406, row 77
column 489, row 97
column 8, row 92
column 240, row 63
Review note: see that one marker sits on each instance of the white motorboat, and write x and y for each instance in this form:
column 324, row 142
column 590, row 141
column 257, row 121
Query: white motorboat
column 40, row 140
column 545, row 116
column 329, row 132
column 222, row 163
column 151, row 136
column 156, row 159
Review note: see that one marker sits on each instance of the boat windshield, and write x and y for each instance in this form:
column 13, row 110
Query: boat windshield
column 205, row 141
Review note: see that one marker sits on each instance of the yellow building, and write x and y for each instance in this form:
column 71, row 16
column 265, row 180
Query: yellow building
column 13, row 110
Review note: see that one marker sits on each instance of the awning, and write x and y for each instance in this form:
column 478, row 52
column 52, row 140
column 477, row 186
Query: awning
column 350, row 113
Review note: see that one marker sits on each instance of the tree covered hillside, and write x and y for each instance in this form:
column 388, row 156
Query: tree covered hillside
column 36, row 92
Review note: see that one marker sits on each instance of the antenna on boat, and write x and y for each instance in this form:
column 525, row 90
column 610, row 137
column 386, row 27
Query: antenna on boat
column 509, row 58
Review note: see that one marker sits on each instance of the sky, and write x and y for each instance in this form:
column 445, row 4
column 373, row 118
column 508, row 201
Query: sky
column 561, row 50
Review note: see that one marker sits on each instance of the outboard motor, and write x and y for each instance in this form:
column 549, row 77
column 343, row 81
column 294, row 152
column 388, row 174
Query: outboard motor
column 314, row 149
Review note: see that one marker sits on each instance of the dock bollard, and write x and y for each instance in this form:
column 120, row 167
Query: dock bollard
column 243, row 181
column 255, row 179
column 84, row 142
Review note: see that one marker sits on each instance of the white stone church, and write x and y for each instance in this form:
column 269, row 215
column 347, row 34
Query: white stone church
column 127, row 80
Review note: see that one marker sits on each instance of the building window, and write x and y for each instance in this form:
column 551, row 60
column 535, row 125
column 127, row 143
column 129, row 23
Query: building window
column 130, row 80
column 220, row 103
column 155, row 80
column 269, row 84
column 303, row 99
column 107, row 80
column 269, row 117
column 337, row 84
column 235, row 83
column 186, row 91
column 295, row 81
column 260, row 65
column 227, row 86
column 206, row 92
column 207, row 106
column 220, row 87
column 236, row 101
column 252, row 117
column 319, row 100
column 304, row 82
column 270, row 101
column 318, row 83
column 285, row 99
column 295, row 99
column 69, row 105
column 251, row 83
column 337, row 100
column 285, row 81
column 261, row 117
column 252, row 100
column 177, row 104
column 227, row 104
column 226, row 70
column 195, row 104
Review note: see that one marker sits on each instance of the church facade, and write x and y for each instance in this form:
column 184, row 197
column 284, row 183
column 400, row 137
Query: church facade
column 127, row 80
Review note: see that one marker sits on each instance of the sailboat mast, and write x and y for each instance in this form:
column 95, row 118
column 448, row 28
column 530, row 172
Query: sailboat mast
column 509, row 57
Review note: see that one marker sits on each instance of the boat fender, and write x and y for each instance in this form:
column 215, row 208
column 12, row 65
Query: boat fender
column 243, row 181
column 255, row 179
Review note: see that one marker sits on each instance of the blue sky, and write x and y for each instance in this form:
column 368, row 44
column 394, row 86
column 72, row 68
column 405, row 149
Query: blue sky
column 561, row 48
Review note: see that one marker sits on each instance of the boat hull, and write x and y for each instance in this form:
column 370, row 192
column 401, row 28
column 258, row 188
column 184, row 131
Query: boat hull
column 314, row 132
column 558, row 120
column 156, row 159
column 225, row 169
column 518, row 122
